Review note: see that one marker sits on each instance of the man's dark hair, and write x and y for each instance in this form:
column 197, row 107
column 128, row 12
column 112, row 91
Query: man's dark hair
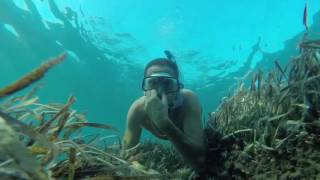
column 163, row 62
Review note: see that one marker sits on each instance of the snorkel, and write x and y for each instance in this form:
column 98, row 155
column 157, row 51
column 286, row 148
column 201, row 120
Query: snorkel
column 178, row 98
column 170, row 56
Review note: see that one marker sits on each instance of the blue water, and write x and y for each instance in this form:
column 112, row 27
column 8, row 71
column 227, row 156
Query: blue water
column 211, row 39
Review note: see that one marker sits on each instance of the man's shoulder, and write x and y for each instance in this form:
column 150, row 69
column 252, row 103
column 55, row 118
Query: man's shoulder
column 138, row 104
column 136, row 112
column 191, row 99
column 189, row 94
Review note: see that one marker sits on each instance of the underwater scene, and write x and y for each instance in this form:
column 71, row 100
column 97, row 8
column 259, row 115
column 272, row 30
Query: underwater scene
column 171, row 89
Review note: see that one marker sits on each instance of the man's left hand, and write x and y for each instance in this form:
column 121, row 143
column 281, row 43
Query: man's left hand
column 157, row 109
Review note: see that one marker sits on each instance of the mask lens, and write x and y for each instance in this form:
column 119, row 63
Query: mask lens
column 149, row 83
column 170, row 84
column 167, row 84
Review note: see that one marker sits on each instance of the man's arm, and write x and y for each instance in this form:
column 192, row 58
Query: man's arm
column 189, row 143
column 133, row 128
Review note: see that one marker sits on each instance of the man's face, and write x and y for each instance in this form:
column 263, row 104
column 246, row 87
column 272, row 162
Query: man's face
column 163, row 80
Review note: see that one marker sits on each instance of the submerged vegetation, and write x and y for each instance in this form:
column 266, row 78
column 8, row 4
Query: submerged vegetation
column 269, row 130
column 44, row 141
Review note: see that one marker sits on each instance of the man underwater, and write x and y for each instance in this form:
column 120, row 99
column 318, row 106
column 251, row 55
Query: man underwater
column 168, row 111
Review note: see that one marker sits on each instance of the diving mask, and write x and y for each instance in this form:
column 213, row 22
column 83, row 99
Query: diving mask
column 161, row 81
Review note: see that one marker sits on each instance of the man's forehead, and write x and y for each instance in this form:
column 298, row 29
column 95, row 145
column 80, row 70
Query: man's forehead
column 166, row 71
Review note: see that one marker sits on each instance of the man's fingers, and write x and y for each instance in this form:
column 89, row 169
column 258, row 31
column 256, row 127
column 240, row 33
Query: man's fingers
column 147, row 93
column 150, row 95
column 146, row 99
column 153, row 93
column 164, row 98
